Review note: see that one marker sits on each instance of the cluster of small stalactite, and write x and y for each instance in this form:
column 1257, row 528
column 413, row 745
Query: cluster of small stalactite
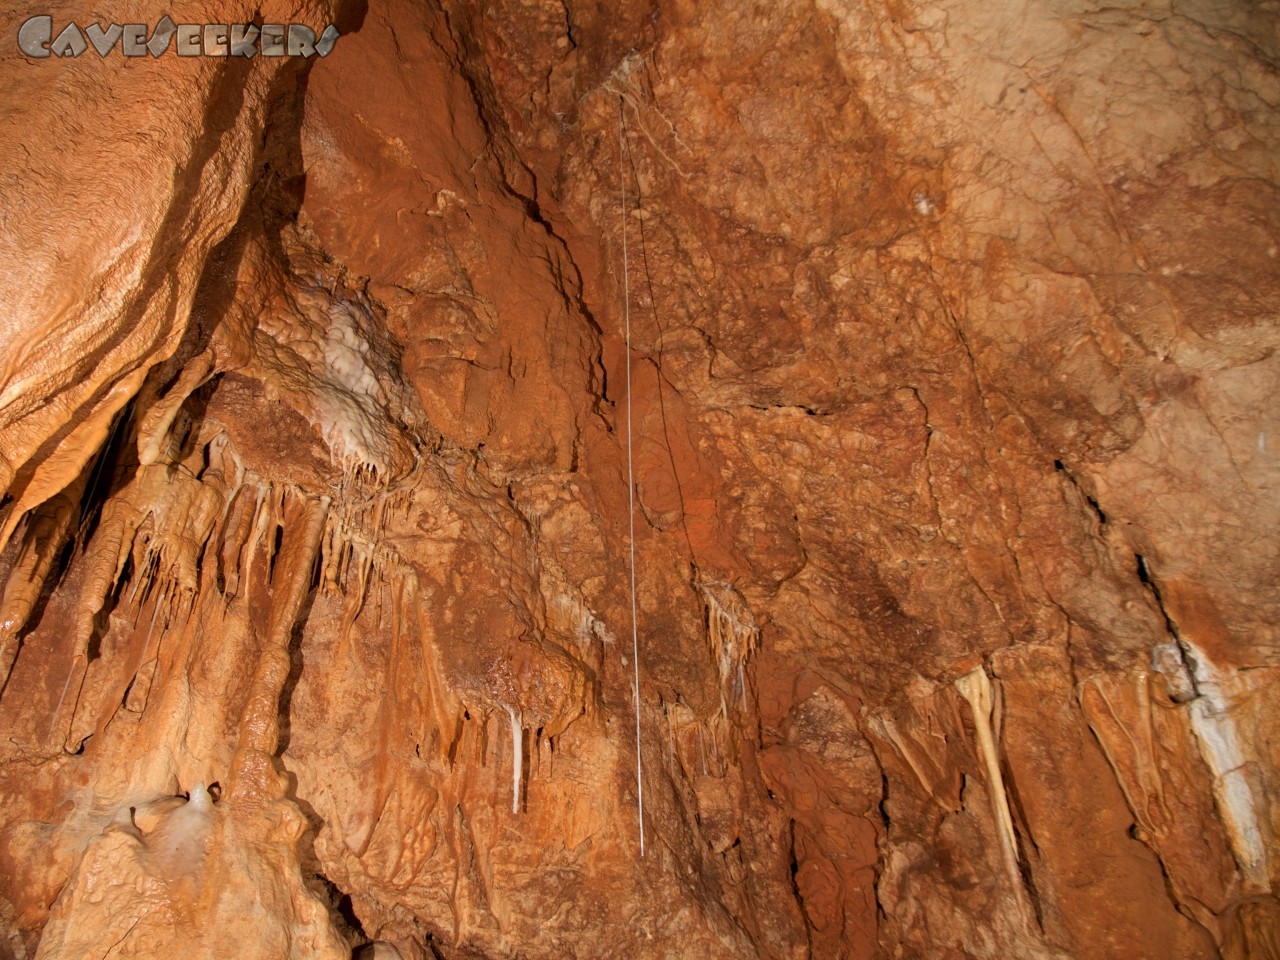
column 732, row 636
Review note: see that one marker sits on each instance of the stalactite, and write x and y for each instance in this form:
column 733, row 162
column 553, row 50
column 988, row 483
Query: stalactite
column 92, row 716
column 254, row 778
column 732, row 635
column 517, row 754
column 105, row 559
column 687, row 734
column 237, row 529
column 266, row 516
column 355, row 594
column 1119, row 713
column 976, row 689
column 887, row 729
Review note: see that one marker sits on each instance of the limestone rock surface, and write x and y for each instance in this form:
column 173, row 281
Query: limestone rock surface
column 949, row 418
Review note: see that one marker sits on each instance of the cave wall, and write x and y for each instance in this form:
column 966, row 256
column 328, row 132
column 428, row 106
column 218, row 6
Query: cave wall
column 951, row 408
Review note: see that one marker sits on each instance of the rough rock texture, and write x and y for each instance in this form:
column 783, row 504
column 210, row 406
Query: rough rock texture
column 952, row 398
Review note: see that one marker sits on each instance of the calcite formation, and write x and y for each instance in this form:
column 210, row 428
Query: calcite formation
column 928, row 349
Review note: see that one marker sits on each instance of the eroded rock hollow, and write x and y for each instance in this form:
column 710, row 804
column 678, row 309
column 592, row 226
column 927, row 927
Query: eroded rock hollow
column 941, row 460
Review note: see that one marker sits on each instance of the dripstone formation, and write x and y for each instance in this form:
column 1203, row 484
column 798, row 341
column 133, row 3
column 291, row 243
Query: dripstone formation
column 947, row 430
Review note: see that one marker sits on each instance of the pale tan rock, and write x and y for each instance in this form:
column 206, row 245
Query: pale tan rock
column 952, row 412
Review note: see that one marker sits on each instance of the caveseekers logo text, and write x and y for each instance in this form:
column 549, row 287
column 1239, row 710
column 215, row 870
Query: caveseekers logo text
column 36, row 39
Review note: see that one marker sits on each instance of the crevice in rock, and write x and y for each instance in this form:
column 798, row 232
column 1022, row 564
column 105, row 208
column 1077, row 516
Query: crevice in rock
column 296, row 659
column 795, row 885
column 1088, row 497
column 110, row 470
column 1171, row 626
column 340, row 903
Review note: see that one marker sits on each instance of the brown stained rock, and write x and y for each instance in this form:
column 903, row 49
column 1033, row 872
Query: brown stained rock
column 1062, row 786
column 498, row 354
column 95, row 301
column 952, row 336
column 210, row 890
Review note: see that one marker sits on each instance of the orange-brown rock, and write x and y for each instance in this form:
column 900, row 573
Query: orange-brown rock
column 945, row 431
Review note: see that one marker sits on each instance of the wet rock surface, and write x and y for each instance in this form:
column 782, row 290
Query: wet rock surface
column 951, row 393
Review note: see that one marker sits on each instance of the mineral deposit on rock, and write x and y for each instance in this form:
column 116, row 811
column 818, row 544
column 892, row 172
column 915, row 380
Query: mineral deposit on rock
column 908, row 368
